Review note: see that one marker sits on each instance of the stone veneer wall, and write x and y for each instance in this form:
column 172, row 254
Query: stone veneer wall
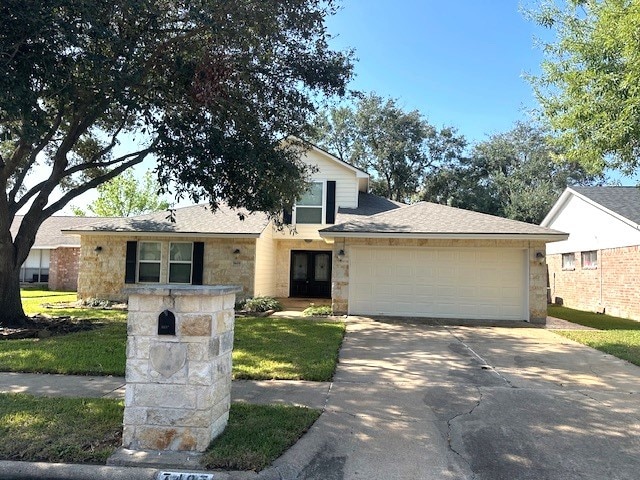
column 283, row 260
column 537, row 271
column 64, row 265
column 101, row 274
column 612, row 287
column 178, row 386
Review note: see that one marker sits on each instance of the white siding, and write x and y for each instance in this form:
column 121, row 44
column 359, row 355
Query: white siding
column 265, row 273
column 590, row 228
column 328, row 169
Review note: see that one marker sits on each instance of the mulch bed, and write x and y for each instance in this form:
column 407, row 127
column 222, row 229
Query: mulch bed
column 41, row 326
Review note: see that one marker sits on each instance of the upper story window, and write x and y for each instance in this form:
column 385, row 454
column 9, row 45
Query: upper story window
column 149, row 259
column 310, row 208
column 180, row 262
column 590, row 259
column 568, row 261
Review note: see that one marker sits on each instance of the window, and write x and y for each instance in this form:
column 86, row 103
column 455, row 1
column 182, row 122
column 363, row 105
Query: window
column 590, row 260
column 568, row 261
column 180, row 262
column 310, row 208
column 150, row 255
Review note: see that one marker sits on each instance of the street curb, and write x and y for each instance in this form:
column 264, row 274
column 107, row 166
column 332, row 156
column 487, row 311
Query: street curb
column 71, row 471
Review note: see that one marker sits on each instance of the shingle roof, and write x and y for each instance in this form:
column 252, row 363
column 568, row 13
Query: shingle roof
column 368, row 204
column 188, row 220
column 624, row 201
column 50, row 232
column 434, row 219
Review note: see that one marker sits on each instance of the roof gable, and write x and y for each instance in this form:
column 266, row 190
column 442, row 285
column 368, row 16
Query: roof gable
column 620, row 202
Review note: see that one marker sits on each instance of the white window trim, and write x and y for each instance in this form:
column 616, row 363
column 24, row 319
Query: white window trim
column 323, row 219
column 180, row 262
column 571, row 268
column 140, row 260
column 589, row 267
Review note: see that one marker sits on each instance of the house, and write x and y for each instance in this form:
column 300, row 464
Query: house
column 598, row 267
column 367, row 254
column 54, row 257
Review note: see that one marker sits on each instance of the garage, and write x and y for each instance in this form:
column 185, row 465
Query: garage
column 479, row 283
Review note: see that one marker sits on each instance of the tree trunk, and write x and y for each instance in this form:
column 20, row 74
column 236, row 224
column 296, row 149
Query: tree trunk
column 11, row 311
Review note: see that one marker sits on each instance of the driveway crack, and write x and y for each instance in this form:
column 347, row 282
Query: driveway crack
column 450, row 427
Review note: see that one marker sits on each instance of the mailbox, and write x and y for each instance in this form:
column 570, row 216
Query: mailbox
column 166, row 323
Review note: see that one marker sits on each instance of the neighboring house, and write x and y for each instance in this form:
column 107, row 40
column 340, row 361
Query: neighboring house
column 598, row 267
column 54, row 257
column 367, row 254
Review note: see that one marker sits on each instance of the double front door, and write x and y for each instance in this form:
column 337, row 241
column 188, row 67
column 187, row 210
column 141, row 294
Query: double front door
column 310, row 274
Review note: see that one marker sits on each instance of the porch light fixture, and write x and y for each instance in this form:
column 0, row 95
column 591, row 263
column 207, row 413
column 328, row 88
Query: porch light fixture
column 236, row 251
column 98, row 249
column 540, row 257
column 341, row 253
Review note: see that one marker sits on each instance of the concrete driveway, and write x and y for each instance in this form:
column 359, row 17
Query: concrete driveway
column 414, row 401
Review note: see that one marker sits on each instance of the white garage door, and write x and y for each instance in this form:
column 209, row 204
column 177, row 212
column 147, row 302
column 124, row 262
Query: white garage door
column 438, row 283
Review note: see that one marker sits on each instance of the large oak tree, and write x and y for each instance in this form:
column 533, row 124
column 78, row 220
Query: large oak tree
column 590, row 86
column 209, row 87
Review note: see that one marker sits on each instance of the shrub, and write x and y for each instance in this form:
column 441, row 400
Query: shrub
column 317, row 311
column 261, row 304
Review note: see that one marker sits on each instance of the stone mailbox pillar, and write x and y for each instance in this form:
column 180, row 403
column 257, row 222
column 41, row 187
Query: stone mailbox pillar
column 179, row 342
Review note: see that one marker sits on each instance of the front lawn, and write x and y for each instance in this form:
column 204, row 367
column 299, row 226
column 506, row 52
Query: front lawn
column 616, row 336
column 80, row 430
column 286, row 348
column 264, row 348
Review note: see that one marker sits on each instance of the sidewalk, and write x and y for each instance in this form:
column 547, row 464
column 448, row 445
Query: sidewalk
column 290, row 392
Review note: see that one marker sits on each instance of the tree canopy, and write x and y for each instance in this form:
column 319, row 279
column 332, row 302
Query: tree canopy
column 518, row 174
column 210, row 87
column 590, row 86
column 125, row 196
column 398, row 148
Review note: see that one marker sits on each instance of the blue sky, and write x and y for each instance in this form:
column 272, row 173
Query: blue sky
column 460, row 63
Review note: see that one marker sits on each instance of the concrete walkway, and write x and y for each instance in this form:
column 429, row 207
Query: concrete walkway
column 416, row 401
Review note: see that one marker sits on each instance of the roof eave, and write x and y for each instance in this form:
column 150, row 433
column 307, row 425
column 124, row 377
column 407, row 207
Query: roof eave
column 547, row 237
column 162, row 234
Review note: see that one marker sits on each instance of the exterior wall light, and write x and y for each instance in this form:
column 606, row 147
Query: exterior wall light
column 341, row 253
column 540, row 257
column 236, row 251
column 98, row 249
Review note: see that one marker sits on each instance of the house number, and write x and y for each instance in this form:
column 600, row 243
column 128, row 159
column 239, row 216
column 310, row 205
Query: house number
column 184, row 476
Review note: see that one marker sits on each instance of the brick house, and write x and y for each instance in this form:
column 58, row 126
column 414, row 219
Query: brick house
column 368, row 255
column 55, row 257
column 598, row 267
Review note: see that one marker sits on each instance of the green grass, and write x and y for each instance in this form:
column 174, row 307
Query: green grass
column 77, row 430
column 616, row 336
column 264, row 348
column 288, row 349
column 258, row 434
column 96, row 352
column 45, row 429
column 594, row 320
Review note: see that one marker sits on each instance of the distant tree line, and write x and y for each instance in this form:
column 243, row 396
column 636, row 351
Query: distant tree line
column 517, row 174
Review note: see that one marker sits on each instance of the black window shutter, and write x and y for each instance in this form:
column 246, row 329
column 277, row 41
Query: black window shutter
column 331, row 202
column 130, row 265
column 198, row 263
column 286, row 216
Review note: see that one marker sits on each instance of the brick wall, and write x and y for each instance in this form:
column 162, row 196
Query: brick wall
column 612, row 286
column 63, row 268
column 102, row 272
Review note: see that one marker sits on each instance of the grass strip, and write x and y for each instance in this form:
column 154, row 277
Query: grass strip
column 591, row 319
column 80, row 430
column 286, row 348
column 42, row 429
column 258, row 434
column 616, row 336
